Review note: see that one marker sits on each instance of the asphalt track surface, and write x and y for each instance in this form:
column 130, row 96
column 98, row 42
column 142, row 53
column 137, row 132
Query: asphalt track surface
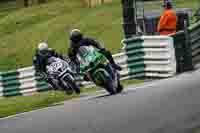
column 165, row 106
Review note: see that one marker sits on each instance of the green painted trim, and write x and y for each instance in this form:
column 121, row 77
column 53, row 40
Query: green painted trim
column 11, row 88
column 12, row 93
column 134, row 59
column 1, row 77
column 135, row 52
column 133, row 46
column 8, row 78
column 10, row 83
column 4, row 74
column 137, row 64
column 133, row 40
column 136, row 70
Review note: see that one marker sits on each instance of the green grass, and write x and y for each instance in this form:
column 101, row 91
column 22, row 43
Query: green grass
column 19, row 104
column 6, row 8
column 14, row 105
column 21, row 31
column 196, row 130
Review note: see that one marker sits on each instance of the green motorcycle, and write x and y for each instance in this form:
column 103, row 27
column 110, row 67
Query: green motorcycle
column 98, row 69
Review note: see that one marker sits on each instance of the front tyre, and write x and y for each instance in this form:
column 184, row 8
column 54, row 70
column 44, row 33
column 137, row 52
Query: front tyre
column 102, row 78
column 70, row 85
column 75, row 88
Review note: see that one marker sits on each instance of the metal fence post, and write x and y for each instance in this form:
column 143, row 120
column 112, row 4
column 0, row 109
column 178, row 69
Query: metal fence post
column 188, row 50
column 129, row 24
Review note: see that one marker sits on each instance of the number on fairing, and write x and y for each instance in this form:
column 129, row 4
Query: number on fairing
column 56, row 66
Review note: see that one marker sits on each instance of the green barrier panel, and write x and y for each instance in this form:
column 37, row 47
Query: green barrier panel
column 10, row 83
column 12, row 93
column 12, row 88
column 135, row 52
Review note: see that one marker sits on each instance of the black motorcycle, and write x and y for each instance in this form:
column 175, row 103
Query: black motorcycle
column 62, row 72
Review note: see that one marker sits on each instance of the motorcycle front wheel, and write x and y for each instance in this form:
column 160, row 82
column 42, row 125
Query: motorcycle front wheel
column 102, row 78
column 71, row 85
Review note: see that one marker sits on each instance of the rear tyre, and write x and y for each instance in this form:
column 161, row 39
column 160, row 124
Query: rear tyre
column 119, row 88
column 110, row 88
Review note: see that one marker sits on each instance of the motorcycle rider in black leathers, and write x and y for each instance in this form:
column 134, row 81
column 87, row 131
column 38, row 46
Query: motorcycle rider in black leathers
column 77, row 40
column 40, row 61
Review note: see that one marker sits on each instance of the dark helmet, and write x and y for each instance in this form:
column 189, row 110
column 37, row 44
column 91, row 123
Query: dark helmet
column 76, row 35
column 167, row 4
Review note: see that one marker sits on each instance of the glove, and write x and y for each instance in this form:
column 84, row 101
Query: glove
column 67, row 60
column 102, row 49
column 86, row 78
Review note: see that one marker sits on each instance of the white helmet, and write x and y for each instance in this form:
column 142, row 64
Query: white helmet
column 43, row 48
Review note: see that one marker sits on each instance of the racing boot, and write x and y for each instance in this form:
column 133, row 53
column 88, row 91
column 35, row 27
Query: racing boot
column 110, row 58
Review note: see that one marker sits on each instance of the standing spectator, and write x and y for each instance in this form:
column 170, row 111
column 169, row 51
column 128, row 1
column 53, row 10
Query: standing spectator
column 168, row 20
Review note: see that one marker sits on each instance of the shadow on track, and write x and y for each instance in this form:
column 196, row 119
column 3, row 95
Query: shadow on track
column 101, row 96
column 105, row 95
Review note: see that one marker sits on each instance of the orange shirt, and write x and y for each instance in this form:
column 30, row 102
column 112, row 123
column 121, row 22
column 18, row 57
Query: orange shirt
column 167, row 23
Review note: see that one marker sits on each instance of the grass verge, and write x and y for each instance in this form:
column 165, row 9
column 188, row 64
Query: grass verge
column 196, row 130
column 19, row 104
